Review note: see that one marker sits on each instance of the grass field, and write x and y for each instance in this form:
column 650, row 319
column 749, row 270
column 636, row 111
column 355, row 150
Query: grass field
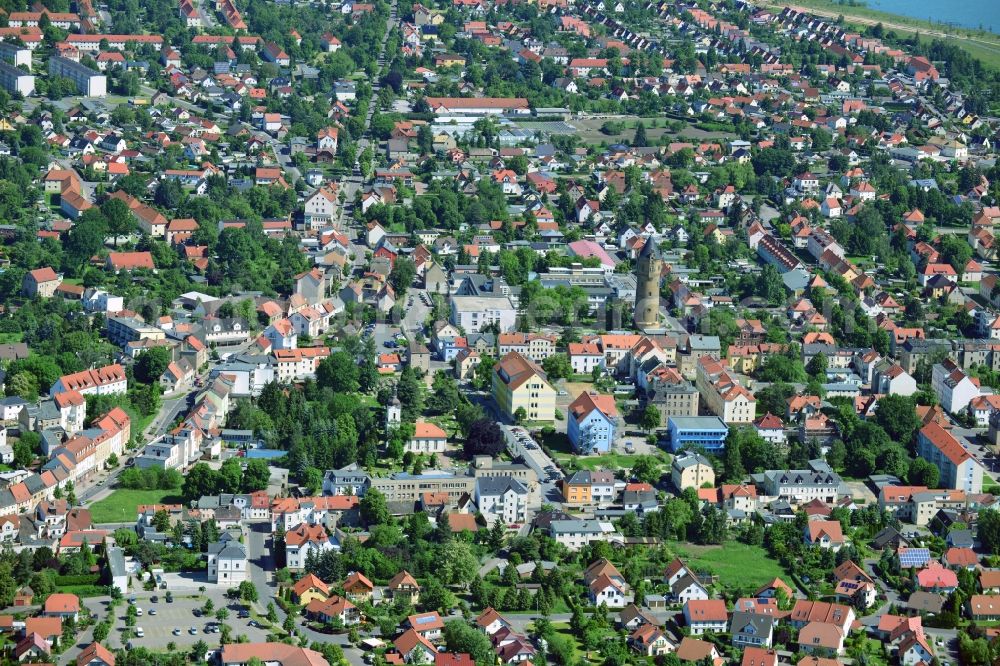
column 978, row 43
column 734, row 563
column 119, row 506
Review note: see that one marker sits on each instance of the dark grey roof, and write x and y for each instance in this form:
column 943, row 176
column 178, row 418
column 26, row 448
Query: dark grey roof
column 498, row 485
column 742, row 621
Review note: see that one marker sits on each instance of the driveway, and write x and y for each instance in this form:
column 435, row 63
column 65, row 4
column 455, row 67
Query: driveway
column 891, row 596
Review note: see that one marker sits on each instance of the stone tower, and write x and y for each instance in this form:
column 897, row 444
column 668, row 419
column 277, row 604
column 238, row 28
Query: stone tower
column 647, row 286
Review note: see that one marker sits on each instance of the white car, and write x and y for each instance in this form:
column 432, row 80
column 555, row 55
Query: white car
column 139, row 633
column 138, row 612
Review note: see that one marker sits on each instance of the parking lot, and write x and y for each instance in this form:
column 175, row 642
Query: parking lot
column 520, row 443
column 160, row 621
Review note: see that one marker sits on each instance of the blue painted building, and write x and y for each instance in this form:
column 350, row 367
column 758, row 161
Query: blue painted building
column 705, row 432
column 593, row 422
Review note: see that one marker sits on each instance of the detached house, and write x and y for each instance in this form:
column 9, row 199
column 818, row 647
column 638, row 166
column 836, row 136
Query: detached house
column 701, row 615
column 825, row 534
column 605, row 585
column 684, row 585
column 751, row 629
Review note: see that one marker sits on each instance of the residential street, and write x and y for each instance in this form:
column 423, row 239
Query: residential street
column 261, row 562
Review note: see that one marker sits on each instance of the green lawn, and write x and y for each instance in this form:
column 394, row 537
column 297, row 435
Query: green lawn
column 559, row 446
column 119, row 506
column 10, row 338
column 734, row 563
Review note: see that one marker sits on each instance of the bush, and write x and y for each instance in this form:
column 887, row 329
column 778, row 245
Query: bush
column 150, row 479
column 82, row 579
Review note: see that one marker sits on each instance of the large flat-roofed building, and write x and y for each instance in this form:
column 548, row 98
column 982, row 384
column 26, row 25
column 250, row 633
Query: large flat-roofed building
column 122, row 330
column 409, row 488
column 90, row 83
column 478, row 106
column 704, row 432
column 474, row 313
column 16, row 80
column 15, row 54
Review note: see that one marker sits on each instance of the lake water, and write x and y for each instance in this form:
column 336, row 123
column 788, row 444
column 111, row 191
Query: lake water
column 983, row 14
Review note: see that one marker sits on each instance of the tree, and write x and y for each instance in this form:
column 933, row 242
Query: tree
column 639, row 140
column 989, row 530
column 410, row 393
column 374, row 509
column 497, row 536
column 557, row 366
column 955, row 250
column 732, row 458
column 231, row 475
column 24, row 385
column 198, row 651
column 444, row 396
column 650, row 419
column 485, row 439
column 339, row 372
column 898, row 417
column 457, row 564
column 782, row 368
column 248, row 592
column 923, row 473
column 459, row 637
column 161, row 521
column 402, row 274
column 201, row 480
column 256, row 475
column 119, row 218
column 646, row 469
column 85, row 239
column 817, row 366
column 435, row 596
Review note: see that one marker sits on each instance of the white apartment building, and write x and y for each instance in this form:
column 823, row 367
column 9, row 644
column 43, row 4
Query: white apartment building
column 474, row 313
column 227, row 562
column 953, row 387
column 16, row 80
column 89, row 82
column 503, row 498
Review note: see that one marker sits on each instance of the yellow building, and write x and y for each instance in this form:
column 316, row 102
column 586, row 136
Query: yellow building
column 520, row 383
column 310, row 588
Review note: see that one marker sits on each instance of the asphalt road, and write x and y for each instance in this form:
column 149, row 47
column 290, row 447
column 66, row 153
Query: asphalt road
column 259, row 545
